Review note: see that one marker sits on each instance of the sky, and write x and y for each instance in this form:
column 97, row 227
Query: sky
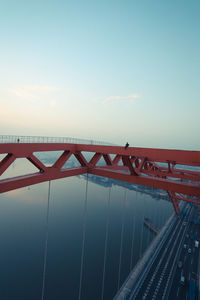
column 117, row 71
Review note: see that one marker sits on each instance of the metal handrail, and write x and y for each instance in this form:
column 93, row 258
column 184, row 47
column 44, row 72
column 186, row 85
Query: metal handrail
column 48, row 139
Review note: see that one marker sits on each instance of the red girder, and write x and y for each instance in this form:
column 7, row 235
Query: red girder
column 49, row 174
column 136, row 165
column 36, row 162
column 6, row 162
column 62, row 159
column 174, row 200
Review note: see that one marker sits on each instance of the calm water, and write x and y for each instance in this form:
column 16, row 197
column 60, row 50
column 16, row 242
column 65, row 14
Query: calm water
column 22, row 236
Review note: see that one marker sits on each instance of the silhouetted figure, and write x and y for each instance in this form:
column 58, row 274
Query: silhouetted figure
column 18, row 140
column 126, row 146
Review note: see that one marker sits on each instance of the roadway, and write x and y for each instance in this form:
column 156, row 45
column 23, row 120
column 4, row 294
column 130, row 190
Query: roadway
column 157, row 281
column 190, row 261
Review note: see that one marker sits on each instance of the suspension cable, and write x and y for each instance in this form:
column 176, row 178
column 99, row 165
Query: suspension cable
column 46, row 243
column 148, row 229
column 83, row 237
column 106, row 242
column 141, row 240
column 133, row 234
column 161, row 208
column 121, row 242
column 145, row 230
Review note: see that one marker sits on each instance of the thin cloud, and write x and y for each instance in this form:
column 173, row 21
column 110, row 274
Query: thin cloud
column 52, row 103
column 33, row 92
column 121, row 98
column 42, row 88
column 4, row 112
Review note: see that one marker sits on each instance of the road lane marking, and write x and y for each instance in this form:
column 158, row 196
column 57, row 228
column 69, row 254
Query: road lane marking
column 177, row 292
column 149, row 283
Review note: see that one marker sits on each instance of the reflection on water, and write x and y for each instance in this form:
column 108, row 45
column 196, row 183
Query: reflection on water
column 22, row 235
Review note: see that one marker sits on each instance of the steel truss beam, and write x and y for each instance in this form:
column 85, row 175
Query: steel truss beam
column 171, row 170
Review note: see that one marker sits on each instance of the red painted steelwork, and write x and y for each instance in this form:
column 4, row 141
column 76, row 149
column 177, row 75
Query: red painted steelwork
column 49, row 174
column 137, row 165
column 172, row 195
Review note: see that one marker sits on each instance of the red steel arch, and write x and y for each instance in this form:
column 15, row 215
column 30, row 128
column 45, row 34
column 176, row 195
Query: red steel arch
column 145, row 166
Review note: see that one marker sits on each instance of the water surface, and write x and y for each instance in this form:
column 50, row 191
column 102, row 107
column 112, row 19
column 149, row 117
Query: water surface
column 23, row 231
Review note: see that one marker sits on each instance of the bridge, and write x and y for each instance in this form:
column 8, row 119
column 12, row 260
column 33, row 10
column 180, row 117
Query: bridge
column 175, row 171
column 150, row 167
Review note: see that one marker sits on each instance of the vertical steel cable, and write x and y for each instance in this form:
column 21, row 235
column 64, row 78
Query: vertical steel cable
column 106, row 243
column 160, row 216
column 146, row 229
column 149, row 232
column 157, row 217
column 46, row 243
column 83, row 237
column 121, row 239
column 141, row 241
column 132, row 240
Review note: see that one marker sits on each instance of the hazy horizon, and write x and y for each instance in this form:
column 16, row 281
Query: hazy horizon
column 106, row 70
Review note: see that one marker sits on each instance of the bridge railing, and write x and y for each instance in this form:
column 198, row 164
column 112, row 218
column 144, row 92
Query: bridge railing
column 48, row 139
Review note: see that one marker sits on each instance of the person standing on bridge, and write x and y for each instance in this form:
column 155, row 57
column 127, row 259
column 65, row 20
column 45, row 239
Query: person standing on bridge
column 126, row 146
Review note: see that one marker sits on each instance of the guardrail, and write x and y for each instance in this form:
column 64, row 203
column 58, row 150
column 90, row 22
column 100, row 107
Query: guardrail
column 48, row 139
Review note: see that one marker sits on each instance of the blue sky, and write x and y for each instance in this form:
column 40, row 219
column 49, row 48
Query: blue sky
column 107, row 70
